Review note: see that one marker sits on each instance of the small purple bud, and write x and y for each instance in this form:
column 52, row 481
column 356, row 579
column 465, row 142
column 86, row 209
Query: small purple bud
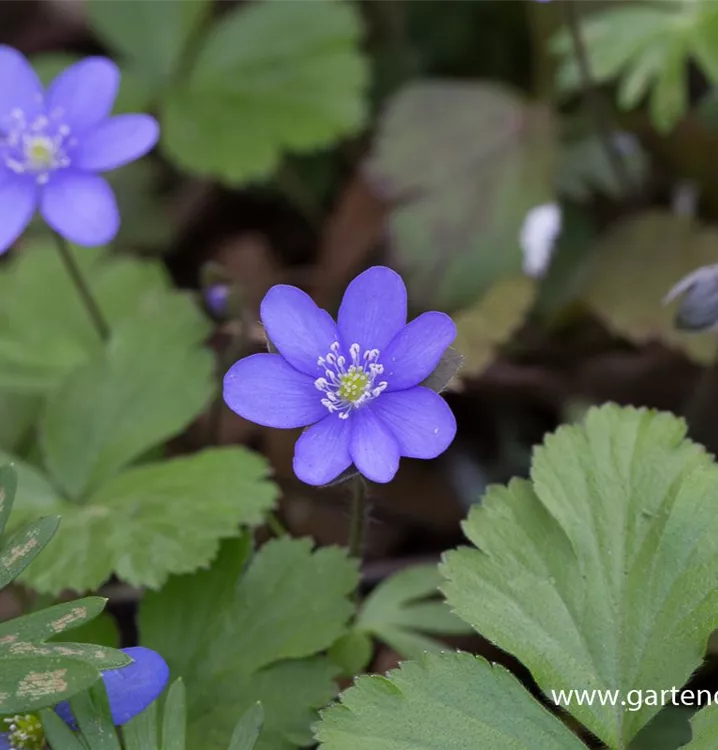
column 130, row 689
column 216, row 298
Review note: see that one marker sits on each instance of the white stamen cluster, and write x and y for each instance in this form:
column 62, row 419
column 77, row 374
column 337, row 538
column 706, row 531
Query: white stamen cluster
column 38, row 147
column 351, row 387
column 25, row 732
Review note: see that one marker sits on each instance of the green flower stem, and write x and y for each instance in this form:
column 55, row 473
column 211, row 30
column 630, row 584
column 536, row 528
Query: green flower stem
column 275, row 525
column 83, row 290
column 358, row 517
column 593, row 95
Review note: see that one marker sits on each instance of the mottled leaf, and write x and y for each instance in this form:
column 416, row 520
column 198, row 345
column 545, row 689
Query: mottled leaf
column 28, row 684
column 23, row 546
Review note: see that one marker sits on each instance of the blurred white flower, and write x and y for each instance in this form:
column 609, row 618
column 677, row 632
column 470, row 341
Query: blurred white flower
column 539, row 232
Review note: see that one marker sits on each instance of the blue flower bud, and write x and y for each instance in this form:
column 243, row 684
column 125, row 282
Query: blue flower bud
column 698, row 306
column 130, row 689
column 216, row 298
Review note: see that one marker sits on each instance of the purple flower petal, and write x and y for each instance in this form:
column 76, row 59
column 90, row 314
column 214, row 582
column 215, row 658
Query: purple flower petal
column 18, row 199
column 322, row 452
column 301, row 331
column 373, row 310
column 5, row 741
column 115, row 142
column 421, row 421
column 130, row 689
column 80, row 207
column 374, row 449
column 415, row 351
column 21, row 88
column 267, row 390
column 85, row 92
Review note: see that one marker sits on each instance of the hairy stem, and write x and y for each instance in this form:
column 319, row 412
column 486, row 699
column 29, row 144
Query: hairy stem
column 358, row 517
column 83, row 289
column 600, row 113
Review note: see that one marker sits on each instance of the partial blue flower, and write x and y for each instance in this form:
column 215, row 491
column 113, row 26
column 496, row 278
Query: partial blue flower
column 5, row 741
column 54, row 143
column 130, row 689
column 355, row 383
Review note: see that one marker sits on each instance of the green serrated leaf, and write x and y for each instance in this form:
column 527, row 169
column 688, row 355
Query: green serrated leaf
column 144, row 524
column 45, row 332
column 398, row 607
column 22, row 548
column 31, row 683
column 134, row 396
column 271, row 77
column 462, row 163
column 236, row 642
column 634, row 266
column 174, row 718
column 649, row 46
column 704, row 726
column 248, row 729
column 620, row 501
column 450, row 700
column 151, row 34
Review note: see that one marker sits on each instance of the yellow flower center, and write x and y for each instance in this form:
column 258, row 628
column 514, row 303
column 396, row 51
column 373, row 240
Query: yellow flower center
column 353, row 385
column 40, row 152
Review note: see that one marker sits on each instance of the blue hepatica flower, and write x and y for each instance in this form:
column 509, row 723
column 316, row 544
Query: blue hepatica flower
column 356, row 382
column 53, row 143
column 130, row 689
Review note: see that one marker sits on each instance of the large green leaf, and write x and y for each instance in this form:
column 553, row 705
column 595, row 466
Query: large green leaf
column 150, row 521
column 236, row 640
column 399, row 612
column 150, row 34
column 705, row 729
column 18, row 412
column 271, row 77
column 143, row 389
column 45, row 331
column 649, row 45
column 600, row 572
column 634, row 266
column 462, row 164
column 450, row 700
